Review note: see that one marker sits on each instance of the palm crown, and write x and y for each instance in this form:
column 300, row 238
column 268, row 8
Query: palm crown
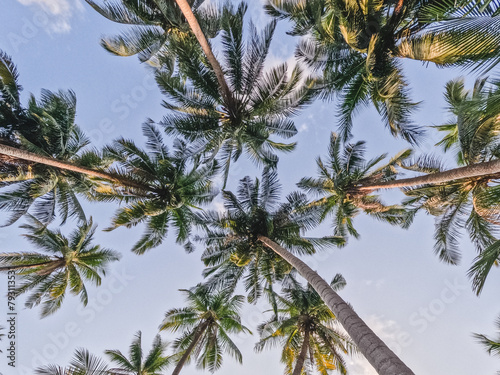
column 358, row 44
column 169, row 187
column 153, row 26
column 137, row 364
column 339, row 178
column 65, row 264
column 259, row 107
column 233, row 248
column 305, row 328
column 82, row 363
column 470, row 203
column 46, row 127
column 206, row 322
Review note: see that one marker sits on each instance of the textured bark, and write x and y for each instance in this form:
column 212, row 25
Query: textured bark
column 369, row 344
column 190, row 348
column 12, row 268
column 29, row 156
column 302, row 355
column 195, row 27
column 470, row 171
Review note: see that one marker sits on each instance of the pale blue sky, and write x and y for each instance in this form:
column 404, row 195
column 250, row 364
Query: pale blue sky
column 422, row 308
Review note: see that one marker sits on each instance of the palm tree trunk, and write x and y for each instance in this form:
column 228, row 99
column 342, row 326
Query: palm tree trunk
column 302, row 356
column 34, row 265
column 29, row 156
column 195, row 27
column 375, row 351
column 190, row 348
column 469, row 171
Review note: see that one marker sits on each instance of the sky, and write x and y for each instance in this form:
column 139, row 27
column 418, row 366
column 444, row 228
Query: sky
column 423, row 309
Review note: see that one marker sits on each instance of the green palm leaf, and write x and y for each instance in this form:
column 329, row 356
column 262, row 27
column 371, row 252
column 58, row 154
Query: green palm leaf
column 68, row 264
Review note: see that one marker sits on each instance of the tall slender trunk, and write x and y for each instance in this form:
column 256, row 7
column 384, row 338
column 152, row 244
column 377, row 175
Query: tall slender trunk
column 34, row 265
column 195, row 27
column 375, row 351
column 29, row 156
column 303, row 352
column 190, row 348
column 475, row 170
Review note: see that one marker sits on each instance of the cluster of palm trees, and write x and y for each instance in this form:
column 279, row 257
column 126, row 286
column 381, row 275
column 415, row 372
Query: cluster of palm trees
column 206, row 323
column 225, row 106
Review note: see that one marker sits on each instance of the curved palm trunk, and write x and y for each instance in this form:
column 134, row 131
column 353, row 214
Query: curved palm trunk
column 302, row 355
column 469, row 171
column 195, row 27
column 190, row 348
column 375, row 351
column 29, row 156
column 34, row 265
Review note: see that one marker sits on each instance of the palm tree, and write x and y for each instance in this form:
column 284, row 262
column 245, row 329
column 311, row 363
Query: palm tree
column 67, row 262
column 83, row 363
column 337, row 179
column 136, row 364
column 257, row 105
column 233, row 250
column 170, row 187
column 206, row 323
column 158, row 185
column 44, row 130
column 384, row 361
column 153, row 27
column 359, row 46
column 248, row 237
column 471, row 203
column 305, row 328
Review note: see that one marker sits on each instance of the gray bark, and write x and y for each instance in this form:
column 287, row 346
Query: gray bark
column 29, row 156
column 489, row 168
column 384, row 361
column 302, row 355
column 190, row 348
column 12, row 268
column 195, row 27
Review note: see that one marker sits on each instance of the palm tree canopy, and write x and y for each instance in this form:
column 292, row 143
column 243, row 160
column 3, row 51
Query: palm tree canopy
column 82, row 363
column 338, row 178
column 357, row 45
column 261, row 104
column 136, row 364
column 471, row 203
column 233, row 250
column 172, row 187
column 213, row 314
column 66, row 263
column 45, row 127
column 153, row 26
column 301, row 309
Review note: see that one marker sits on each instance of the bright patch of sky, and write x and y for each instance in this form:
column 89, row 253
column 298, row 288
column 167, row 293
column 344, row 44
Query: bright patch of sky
column 55, row 15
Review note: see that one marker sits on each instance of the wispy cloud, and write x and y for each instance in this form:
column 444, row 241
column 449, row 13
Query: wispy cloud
column 303, row 127
column 59, row 12
column 377, row 284
column 360, row 366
